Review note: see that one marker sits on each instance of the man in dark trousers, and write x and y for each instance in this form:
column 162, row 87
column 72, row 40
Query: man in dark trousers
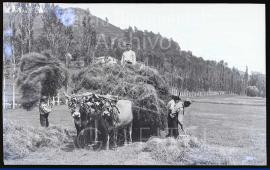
column 174, row 107
column 44, row 111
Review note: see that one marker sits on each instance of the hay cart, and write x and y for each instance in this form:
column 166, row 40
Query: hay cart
column 90, row 135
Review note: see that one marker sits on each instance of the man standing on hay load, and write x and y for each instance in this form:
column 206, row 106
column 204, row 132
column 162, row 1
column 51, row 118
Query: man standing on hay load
column 175, row 106
column 128, row 56
column 44, row 111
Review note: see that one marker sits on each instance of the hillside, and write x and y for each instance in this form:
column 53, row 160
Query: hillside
column 101, row 25
column 183, row 69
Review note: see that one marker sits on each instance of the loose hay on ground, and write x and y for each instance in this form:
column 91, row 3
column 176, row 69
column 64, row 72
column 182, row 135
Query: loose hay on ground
column 43, row 144
column 19, row 141
column 184, row 150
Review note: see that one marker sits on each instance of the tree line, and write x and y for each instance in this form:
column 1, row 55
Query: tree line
column 59, row 32
column 187, row 71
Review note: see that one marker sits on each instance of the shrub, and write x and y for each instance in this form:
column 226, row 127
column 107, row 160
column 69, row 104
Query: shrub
column 252, row 91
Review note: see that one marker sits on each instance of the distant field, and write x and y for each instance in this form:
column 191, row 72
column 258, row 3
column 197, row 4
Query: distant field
column 239, row 126
column 232, row 126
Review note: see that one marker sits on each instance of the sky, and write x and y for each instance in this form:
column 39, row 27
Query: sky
column 234, row 33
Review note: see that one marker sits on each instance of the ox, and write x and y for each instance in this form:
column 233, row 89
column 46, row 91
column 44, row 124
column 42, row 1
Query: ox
column 86, row 112
column 81, row 120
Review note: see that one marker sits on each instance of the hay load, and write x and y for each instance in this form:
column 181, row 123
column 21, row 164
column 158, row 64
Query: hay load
column 40, row 74
column 145, row 88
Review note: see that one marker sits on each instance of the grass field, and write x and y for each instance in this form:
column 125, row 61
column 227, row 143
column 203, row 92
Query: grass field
column 226, row 130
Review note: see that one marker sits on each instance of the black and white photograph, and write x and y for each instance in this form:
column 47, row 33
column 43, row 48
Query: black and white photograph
column 163, row 84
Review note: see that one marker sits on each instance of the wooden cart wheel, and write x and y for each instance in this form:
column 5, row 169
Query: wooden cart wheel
column 86, row 139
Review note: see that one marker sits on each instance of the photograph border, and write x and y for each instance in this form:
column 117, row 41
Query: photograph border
column 153, row 166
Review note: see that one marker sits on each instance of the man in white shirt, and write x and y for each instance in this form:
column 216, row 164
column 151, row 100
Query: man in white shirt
column 128, row 56
column 175, row 111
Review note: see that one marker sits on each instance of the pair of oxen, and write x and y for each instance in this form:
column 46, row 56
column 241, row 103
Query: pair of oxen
column 104, row 114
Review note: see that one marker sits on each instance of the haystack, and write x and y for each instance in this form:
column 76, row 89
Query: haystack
column 20, row 141
column 145, row 88
column 40, row 75
column 185, row 150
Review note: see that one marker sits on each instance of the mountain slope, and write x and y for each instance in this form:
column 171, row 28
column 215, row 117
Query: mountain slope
column 182, row 68
column 102, row 26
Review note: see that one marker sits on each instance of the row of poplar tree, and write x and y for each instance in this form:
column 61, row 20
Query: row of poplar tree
column 182, row 69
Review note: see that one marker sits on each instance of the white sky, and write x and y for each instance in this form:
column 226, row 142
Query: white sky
column 232, row 32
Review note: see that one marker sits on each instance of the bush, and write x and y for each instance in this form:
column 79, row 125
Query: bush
column 252, row 91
